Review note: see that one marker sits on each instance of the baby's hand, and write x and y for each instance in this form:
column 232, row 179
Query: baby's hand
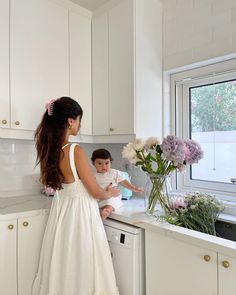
column 138, row 190
column 106, row 211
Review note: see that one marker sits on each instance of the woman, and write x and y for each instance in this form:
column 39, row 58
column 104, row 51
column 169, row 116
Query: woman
column 75, row 257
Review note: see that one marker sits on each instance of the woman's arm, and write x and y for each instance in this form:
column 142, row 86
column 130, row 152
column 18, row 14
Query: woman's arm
column 130, row 186
column 86, row 175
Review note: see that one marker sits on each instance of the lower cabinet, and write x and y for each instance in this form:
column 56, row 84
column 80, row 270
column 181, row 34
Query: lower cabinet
column 180, row 268
column 8, row 262
column 20, row 244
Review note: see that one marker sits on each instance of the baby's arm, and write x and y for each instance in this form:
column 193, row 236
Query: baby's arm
column 130, row 186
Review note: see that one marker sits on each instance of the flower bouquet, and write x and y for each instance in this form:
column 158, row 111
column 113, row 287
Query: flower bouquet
column 195, row 210
column 158, row 160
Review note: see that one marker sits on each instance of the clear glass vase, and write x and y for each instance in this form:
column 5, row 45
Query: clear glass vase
column 157, row 191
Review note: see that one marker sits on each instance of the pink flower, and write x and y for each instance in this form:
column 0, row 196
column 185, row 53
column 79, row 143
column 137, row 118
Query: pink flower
column 178, row 203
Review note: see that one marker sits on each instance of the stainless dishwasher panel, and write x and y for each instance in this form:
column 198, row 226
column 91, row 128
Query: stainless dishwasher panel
column 127, row 250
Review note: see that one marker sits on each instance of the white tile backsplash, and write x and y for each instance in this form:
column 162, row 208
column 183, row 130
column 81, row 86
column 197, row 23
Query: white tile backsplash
column 19, row 176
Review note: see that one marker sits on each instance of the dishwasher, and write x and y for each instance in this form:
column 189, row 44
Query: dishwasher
column 127, row 250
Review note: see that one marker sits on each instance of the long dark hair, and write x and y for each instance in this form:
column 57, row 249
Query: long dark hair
column 49, row 137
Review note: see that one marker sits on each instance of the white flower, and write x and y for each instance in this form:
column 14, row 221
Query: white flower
column 138, row 144
column 130, row 153
column 152, row 141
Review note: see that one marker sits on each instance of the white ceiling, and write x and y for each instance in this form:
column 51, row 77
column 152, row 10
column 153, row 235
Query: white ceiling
column 90, row 4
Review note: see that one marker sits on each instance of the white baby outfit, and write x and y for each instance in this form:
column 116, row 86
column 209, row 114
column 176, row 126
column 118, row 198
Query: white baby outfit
column 104, row 179
column 75, row 256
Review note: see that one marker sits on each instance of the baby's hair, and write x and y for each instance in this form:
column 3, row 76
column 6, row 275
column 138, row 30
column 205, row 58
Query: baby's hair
column 101, row 154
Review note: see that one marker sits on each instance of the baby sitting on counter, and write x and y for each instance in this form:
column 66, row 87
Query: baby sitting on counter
column 105, row 176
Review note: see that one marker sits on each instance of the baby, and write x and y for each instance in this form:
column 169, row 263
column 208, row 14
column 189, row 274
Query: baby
column 105, row 176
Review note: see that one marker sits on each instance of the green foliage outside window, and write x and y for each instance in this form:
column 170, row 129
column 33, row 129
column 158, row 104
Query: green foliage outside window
column 213, row 107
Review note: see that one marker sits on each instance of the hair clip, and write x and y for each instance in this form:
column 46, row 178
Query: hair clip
column 49, row 107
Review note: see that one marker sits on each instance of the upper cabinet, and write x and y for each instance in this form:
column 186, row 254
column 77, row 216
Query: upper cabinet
column 50, row 57
column 127, row 68
column 4, row 62
column 80, row 66
column 38, row 59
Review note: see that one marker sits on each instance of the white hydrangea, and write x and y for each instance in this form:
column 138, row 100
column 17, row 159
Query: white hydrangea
column 138, row 144
column 152, row 141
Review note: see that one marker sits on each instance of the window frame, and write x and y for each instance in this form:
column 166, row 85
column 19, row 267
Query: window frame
column 180, row 83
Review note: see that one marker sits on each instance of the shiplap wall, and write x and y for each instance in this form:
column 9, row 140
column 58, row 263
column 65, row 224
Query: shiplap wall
column 197, row 30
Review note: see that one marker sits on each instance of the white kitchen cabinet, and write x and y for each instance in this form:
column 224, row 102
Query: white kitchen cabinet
column 127, row 68
column 8, row 258
column 20, row 244
column 30, row 236
column 4, row 62
column 80, row 66
column 180, row 268
column 227, row 273
column 39, row 67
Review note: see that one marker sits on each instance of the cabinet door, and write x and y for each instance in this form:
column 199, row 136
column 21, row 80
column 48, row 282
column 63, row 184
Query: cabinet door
column 227, row 274
column 121, row 68
column 80, row 66
column 4, row 62
column 39, row 59
column 30, row 236
column 175, row 267
column 8, row 271
column 100, row 74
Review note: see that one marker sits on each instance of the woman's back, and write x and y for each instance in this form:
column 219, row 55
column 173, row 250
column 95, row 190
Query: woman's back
column 75, row 246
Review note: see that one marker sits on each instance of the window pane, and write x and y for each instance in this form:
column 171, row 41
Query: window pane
column 213, row 125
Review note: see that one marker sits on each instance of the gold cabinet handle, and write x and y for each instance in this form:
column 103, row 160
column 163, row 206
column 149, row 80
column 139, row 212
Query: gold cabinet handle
column 111, row 129
column 207, row 258
column 25, row 223
column 10, row 226
column 225, row 263
column 4, row 122
column 17, row 123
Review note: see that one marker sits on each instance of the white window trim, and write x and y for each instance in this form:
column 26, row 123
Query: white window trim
column 178, row 85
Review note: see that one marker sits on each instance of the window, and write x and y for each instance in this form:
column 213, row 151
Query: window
column 203, row 104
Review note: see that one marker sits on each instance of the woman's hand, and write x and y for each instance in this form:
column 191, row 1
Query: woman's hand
column 113, row 190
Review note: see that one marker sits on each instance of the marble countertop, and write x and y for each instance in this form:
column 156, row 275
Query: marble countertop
column 16, row 207
column 133, row 212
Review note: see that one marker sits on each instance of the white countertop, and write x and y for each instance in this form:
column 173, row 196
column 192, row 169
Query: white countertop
column 133, row 212
column 16, row 207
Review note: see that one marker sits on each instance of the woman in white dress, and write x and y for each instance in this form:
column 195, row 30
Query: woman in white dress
column 75, row 257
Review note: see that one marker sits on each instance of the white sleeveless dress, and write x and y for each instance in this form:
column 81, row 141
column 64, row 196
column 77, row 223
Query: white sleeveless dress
column 75, row 257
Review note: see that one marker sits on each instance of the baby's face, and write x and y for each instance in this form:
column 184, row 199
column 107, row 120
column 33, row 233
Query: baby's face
column 102, row 165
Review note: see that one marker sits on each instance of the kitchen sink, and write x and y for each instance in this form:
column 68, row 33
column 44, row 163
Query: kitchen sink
column 226, row 230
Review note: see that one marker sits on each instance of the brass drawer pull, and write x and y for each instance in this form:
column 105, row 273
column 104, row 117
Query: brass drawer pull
column 17, row 123
column 25, row 223
column 111, row 129
column 4, row 122
column 207, row 258
column 10, row 226
column 225, row 263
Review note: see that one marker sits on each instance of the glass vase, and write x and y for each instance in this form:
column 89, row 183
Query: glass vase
column 157, row 191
